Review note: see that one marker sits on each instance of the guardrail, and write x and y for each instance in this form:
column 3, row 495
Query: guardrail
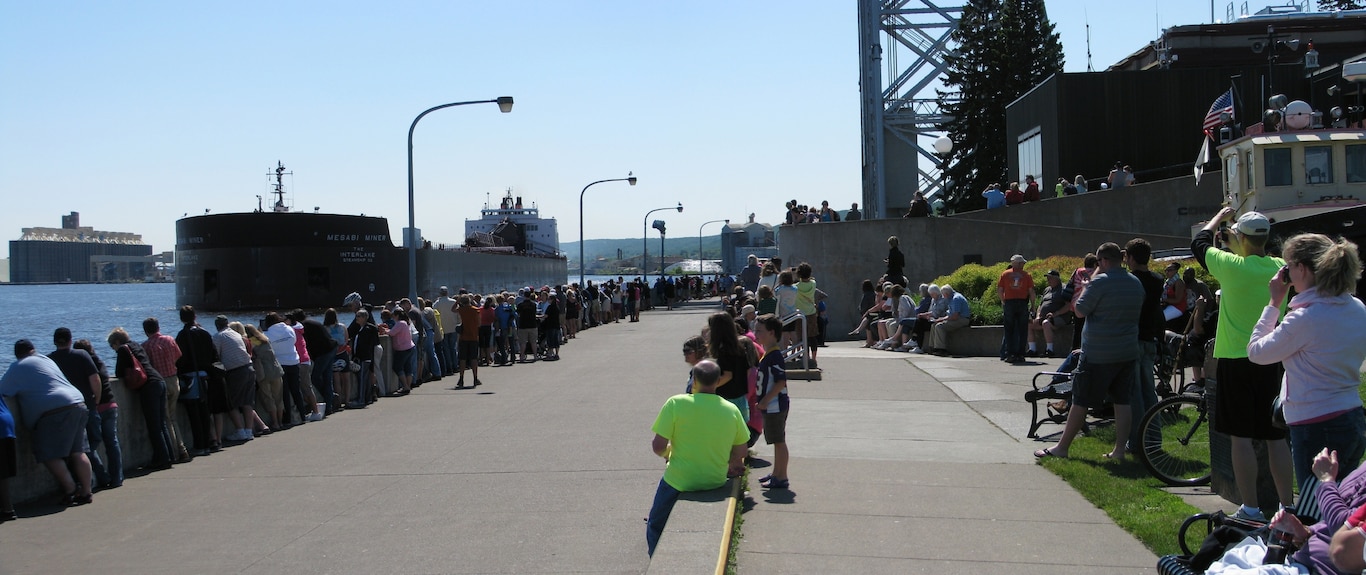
column 801, row 345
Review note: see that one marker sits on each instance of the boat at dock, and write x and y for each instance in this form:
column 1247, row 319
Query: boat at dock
column 280, row 258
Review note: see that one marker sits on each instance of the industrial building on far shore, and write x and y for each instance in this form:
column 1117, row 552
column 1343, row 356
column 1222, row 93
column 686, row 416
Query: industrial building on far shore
column 76, row 254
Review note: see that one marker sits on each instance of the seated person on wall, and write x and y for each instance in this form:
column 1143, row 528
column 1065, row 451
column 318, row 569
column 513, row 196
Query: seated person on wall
column 1051, row 315
column 703, row 438
column 958, row 318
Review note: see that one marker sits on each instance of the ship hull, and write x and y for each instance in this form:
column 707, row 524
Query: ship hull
column 266, row 260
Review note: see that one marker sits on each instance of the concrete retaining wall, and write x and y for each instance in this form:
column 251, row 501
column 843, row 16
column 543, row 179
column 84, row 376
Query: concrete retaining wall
column 844, row 254
column 33, row 480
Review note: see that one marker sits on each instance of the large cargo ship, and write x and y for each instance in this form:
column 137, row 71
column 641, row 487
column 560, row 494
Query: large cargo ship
column 278, row 258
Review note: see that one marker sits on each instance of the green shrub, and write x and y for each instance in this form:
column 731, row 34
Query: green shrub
column 977, row 283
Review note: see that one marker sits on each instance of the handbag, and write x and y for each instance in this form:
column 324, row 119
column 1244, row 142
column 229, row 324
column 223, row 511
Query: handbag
column 135, row 376
column 1278, row 414
column 192, row 386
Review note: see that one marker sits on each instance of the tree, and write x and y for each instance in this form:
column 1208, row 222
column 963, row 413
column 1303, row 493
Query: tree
column 1005, row 48
column 1333, row 5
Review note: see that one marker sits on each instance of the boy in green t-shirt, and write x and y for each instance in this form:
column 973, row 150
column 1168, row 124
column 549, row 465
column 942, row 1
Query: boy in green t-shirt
column 703, row 437
column 1243, row 405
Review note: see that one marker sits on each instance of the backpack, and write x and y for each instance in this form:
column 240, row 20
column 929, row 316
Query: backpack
column 135, row 377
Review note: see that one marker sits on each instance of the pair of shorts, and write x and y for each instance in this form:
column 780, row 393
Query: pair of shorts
column 775, row 427
column 241, row 388
column 9, row 457
column 469, row 353
column 1093, row 382
column 60, row 433
column 400, row 364
column 1242, row 406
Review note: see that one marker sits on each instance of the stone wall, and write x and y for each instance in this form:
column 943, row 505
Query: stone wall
column 843, row 254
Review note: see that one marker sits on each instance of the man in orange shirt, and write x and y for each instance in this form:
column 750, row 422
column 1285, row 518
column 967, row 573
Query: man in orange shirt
column 1016, row 290
column 469, row 340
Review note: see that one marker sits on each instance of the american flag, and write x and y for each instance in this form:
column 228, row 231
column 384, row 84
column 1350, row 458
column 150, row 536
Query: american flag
column 1224, row 103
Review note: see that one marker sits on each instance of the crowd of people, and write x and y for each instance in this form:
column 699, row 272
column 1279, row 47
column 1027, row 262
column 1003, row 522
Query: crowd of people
column 236, row 382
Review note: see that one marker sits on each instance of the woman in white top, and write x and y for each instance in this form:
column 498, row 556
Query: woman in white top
column 1321, row 343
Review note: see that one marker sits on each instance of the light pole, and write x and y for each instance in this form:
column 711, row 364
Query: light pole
column 943, row 145
column 645, row 239
column 699, row 244
column 629, row 178
column 504, row 105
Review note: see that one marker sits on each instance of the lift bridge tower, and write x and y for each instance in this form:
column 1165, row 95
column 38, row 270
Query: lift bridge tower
column 899, row 117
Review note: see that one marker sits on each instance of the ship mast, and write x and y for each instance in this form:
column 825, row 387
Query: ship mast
column 279, row 185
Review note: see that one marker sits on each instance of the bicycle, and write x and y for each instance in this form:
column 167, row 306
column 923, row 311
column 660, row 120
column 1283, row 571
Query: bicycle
column 1176, row 440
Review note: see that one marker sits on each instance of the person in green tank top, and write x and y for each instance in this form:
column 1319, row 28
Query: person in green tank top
column 1246, row 390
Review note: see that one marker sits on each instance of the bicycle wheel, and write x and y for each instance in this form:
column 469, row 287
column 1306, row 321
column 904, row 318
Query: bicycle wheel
column 1176, row 441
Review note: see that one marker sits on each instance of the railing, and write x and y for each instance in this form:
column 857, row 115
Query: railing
column 800, row 346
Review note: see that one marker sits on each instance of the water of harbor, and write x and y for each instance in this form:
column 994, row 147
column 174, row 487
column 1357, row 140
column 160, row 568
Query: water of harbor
column 91, row 311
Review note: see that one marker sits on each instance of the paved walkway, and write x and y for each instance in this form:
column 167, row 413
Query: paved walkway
column 919, row 464
column 902, row 465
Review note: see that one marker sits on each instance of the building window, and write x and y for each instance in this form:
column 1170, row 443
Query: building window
column 1277, row 167
column 1318, row 165
column 1356, row 163
column 1030, row 148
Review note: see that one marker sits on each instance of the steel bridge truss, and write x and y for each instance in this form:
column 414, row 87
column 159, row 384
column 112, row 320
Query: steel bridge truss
column 906, row 109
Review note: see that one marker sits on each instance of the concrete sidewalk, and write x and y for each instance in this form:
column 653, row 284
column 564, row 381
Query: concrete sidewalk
column 919, row 464
column 902, row 465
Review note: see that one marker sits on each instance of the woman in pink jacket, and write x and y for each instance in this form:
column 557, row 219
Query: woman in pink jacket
column 1322, row 344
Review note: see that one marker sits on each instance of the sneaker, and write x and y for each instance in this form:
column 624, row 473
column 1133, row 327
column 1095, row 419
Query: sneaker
column 918, row 350
column 315, row 417
column 905, row 348
column 8, row 516
column 777, row 484
column 1244, row 515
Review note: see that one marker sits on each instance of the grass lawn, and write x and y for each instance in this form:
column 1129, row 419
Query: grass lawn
column 1125, row 491
column 1131, row 497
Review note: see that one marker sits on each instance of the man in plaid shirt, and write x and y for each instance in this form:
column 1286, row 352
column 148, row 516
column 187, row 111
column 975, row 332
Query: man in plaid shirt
column 164, row 352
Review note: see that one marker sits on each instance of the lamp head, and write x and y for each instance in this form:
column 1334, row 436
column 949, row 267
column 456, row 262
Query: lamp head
column 504, row 104
column 943, row 145
column 680, row 207
column 631, row 178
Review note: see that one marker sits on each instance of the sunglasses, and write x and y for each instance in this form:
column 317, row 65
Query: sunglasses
column 688, row 350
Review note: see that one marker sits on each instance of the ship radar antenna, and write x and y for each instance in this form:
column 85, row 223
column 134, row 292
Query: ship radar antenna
column 279, row 185
column 1087, row 17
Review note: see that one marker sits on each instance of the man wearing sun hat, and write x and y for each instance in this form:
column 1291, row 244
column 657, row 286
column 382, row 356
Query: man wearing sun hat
column 1243, row 405
column 1016, row 289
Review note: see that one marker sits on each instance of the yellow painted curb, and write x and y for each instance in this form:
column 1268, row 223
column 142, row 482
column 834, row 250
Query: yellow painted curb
column 729, row 526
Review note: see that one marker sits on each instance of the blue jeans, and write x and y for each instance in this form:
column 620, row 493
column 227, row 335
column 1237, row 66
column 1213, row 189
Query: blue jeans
column 433, row 362
column 152, row 397
column 1345, row 434
column 322, row 378
column 103, row 428
column 665, row 498
column 1016, row 320
column 448, row 350
column 1144, row 394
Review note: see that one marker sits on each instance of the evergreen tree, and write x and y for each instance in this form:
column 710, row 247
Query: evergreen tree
column 1004, row 49
column 1331, row 5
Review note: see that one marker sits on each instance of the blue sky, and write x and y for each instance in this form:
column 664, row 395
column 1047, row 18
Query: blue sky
column 136, row 113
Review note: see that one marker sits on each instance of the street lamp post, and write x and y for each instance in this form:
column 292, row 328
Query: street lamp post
column 943, row 145
column 699, row 244
column 629, row 178
column 645, row 238
column 504, row 105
